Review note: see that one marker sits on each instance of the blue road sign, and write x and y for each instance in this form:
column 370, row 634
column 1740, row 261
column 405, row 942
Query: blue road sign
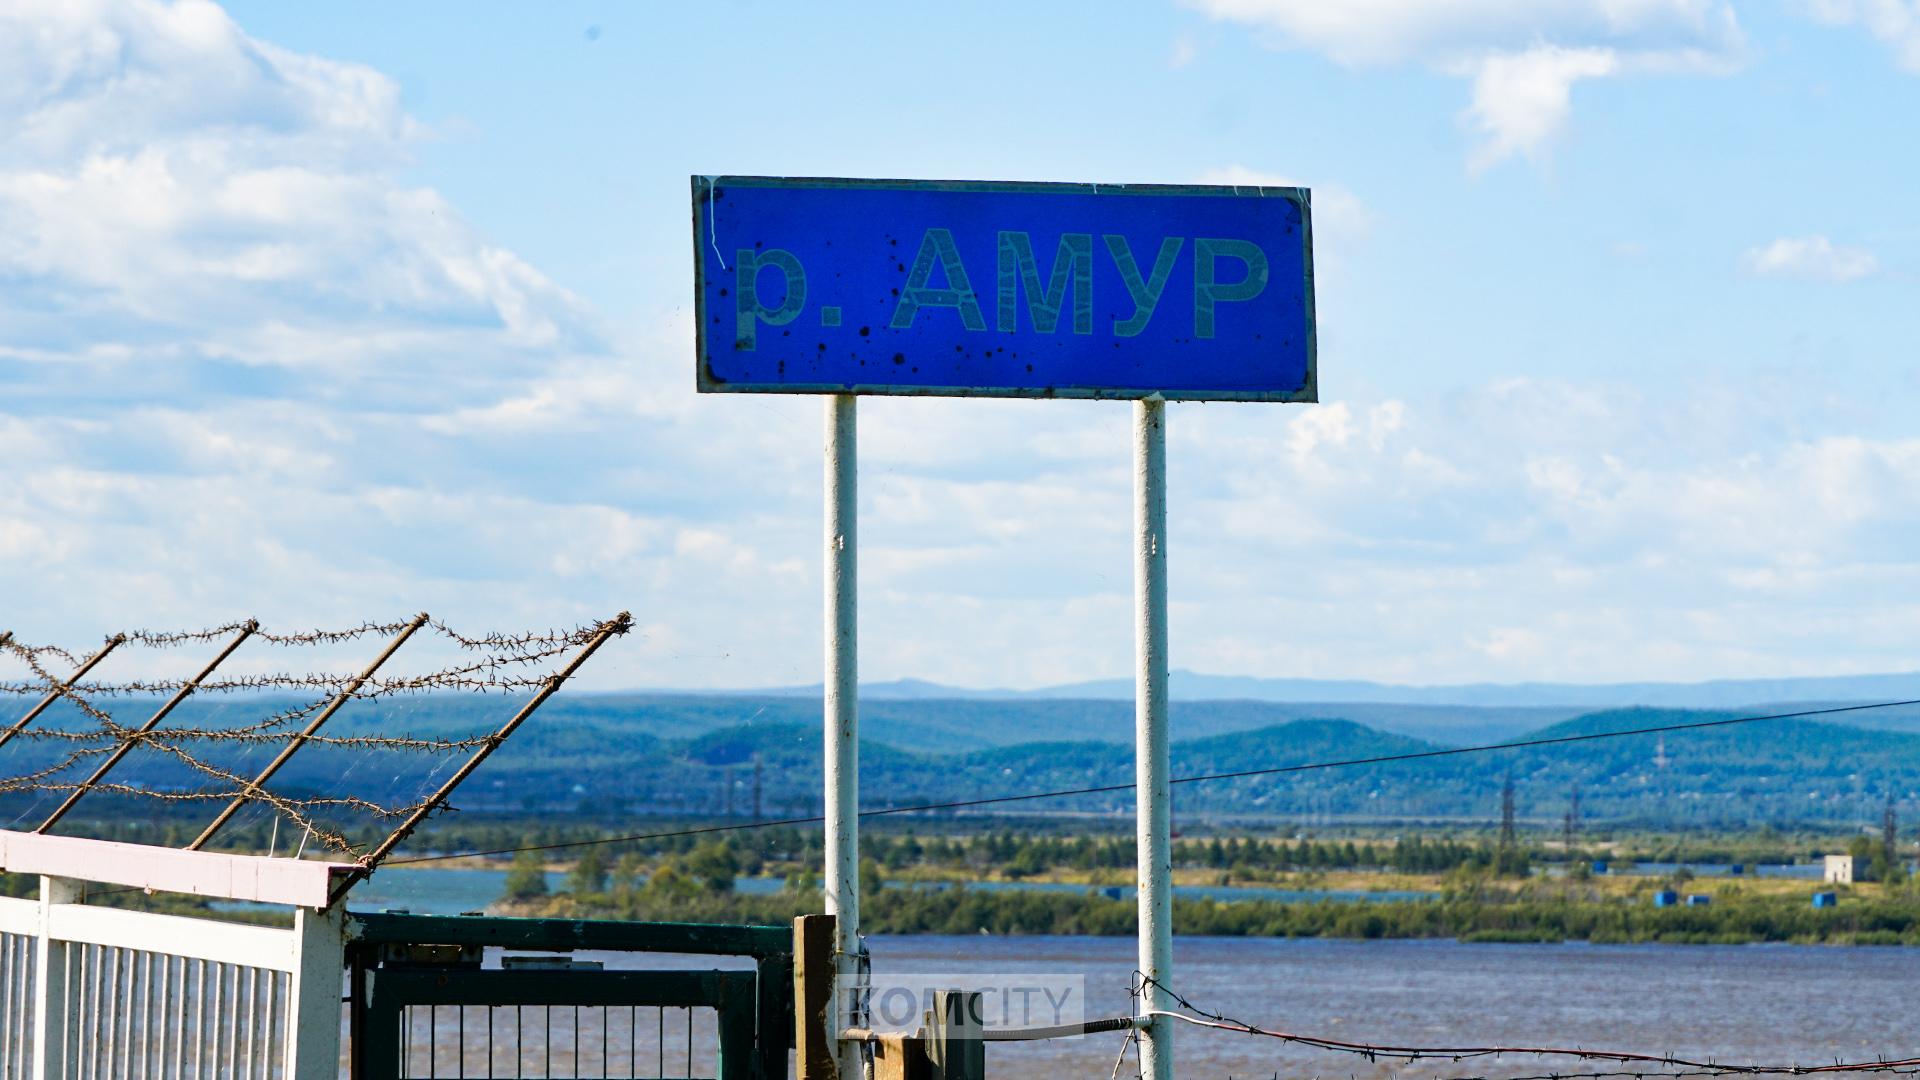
column 1001, row 289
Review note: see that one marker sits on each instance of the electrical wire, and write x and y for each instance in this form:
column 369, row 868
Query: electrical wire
column 1374, row 1052
column 1276, row 770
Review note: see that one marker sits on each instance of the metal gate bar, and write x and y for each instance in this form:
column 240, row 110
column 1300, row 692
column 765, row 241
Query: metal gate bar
column 629, row 1042
column 771, row 982
column 398, row 1000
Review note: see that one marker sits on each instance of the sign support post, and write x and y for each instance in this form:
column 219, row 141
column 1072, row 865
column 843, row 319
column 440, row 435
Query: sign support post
column 960, row 288
column 842, row 707
column 1152, row 819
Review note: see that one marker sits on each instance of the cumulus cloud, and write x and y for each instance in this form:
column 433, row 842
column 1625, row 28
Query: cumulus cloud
column 1814, row 257
column 1523, row 57
column 1895, row 22
column 251, row 372
column 1520, row 100
column 188, row 194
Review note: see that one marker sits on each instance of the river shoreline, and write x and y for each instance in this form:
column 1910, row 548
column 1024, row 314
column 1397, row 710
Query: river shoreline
column 1538, row 912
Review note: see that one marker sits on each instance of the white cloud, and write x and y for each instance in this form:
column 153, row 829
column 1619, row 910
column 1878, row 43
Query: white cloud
column 189, row 193
column 252, row 373
column 1813, row 257
column 1523, row 56
column 1895, row 22
column 1521, row 99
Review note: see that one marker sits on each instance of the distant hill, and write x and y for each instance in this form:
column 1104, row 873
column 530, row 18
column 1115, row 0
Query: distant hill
column 1781, row 772
column 1194, row 686
column 620, row 757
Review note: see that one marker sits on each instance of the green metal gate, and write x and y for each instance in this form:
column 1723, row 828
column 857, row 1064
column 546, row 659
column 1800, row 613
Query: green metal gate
column 423, row 1005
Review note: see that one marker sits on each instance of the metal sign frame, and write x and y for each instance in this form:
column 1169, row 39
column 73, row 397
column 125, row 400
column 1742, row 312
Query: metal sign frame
column 704, row 239
column 841, row 741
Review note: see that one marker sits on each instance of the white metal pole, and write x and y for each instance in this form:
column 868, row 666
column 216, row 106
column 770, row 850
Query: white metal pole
column 843, row 720
column 1152, row 795
column 52, row 1013
column 313, row 1007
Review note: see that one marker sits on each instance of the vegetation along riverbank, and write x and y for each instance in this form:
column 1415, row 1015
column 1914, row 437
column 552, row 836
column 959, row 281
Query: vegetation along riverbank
column 1464, row 891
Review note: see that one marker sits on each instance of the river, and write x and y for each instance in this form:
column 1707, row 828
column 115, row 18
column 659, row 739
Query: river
column 1739, row 1003
column 1772, row 1003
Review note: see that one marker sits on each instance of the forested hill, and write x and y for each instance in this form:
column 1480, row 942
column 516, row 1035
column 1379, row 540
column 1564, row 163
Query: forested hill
column 617, row 757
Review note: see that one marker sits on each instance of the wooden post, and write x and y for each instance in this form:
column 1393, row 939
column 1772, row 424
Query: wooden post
column 956, row 1041
column 901, row 1057
column 813, row 1043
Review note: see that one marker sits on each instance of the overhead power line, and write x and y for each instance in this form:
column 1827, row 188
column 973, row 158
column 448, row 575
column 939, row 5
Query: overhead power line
column 1636, row 1063
column 1276, row 770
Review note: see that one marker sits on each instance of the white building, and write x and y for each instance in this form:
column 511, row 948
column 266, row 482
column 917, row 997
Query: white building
column 1839, row 870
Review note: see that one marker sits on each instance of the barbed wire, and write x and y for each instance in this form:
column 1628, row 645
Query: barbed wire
column 1656, row 1064
column 496, row 663
column 169, row 639
column 478, row 675
column 515, row 642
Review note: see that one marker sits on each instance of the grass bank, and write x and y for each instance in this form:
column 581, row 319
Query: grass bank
column 1475, row 917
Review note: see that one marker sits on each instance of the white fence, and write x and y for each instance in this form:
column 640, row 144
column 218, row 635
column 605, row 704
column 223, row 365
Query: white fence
column 96, row 993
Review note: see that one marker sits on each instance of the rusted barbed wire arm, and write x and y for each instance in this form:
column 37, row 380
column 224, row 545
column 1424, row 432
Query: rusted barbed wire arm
column 313, row 726
column 135, row 737
column 60, row 690
column 490, row 671
column 619, row 624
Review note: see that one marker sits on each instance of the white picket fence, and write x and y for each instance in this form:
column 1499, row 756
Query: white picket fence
column 98, row 993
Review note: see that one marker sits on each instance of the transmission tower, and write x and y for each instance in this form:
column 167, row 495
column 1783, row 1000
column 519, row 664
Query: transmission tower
column 1571, row 825
column 1506, row 814
column 1890, row 833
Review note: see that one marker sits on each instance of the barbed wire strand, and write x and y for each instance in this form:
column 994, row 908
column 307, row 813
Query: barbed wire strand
column 497, row 653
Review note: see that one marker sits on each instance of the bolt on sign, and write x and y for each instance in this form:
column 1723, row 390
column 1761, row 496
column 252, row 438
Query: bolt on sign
column 1003, row 289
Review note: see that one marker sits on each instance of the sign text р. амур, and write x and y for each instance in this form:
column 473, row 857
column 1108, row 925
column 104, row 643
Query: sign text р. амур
column 1004, row 289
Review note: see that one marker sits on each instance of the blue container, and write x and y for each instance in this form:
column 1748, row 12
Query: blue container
column 1699, row 900
column 1666, row 898
column 1599, row 866
column 1826, row 900
column 1737, row 869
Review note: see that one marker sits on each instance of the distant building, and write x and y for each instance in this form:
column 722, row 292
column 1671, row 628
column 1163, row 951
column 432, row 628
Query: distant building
column 1666, row 898
column 1826, row 899
column 1839, row 870
column 1599, row 866
column 1698, row 900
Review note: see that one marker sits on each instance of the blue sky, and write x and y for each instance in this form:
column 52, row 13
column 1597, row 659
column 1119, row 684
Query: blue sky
column 330, row 313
